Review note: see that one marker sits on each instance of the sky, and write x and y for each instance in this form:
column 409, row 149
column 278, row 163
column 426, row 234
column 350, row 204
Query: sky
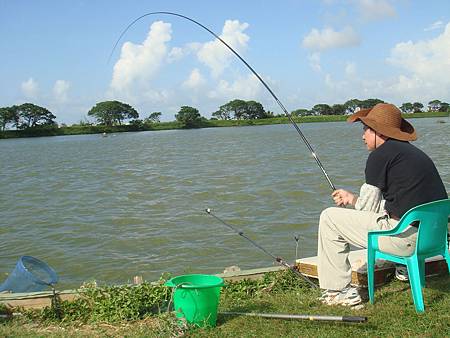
column 56, row 53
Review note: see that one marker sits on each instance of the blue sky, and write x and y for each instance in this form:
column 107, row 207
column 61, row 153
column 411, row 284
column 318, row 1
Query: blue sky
column 55, row 53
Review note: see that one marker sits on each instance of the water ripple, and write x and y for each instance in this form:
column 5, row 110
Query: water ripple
column 133, row 204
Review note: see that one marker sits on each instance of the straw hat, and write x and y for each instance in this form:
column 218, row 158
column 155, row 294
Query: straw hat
column 386, row 119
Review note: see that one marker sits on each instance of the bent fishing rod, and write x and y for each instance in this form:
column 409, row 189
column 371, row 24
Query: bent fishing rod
column 277, row 259
column 288, row 115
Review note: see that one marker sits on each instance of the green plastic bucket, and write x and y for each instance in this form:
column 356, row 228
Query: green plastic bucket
column 196, row 298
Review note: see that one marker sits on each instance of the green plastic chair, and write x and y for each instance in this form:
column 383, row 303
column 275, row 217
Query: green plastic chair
column 431, row 241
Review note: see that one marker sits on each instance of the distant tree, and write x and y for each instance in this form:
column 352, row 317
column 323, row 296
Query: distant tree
column 434, row 105
column 444, row 106
column 234, row 108
column 83, row 122
column 9, row 115
column 338, row 109
column 254, row 110
column 352, row 105
column 138, row 123
column 189, row 117
column 369, row 103
column 301, row 112
column 269, row 114
column 417, row 107
column 437, row 105
column 112, row 113
column 154, row 117
column 322, row 109
column 31, row 115
column 240, row 109
column 407, row 108
column 224, row 113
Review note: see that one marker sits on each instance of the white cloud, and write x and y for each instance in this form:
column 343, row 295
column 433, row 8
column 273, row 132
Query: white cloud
column 195, row 80
column 140, row 62
column 60, row 90
column 175, row 54
column 424, row 67
column 30, row 88
column 245, row 88
column 329, row 82
column 434, row 25
column 155, row 96
column 427, row 64
column 314, row 62
column 330, row 39
column 350, row 69
column 374, row 10
column 215, row 55
column 136, row 71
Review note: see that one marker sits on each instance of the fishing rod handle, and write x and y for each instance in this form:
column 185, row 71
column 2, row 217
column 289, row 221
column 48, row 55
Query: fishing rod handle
column 354, row 319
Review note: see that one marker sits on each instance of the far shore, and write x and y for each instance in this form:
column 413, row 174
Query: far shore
column 204, row 123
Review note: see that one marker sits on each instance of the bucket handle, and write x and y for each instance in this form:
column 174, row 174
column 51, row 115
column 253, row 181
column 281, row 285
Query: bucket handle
column 171, row 284
column 175, row 287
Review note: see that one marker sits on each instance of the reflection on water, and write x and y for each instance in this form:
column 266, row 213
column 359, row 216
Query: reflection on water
column 133, row 203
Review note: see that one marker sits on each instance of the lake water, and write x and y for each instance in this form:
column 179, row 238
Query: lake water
column 109, row 208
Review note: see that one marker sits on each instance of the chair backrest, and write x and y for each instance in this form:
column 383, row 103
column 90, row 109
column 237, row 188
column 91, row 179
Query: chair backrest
column 433, row 221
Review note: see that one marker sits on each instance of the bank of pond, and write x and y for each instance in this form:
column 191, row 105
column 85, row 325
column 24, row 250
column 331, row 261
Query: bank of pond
column 145, row 310
column 78, row 129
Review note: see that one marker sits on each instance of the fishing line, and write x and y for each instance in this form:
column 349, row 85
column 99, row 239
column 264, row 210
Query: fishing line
column 277, row 259
column 288, row 115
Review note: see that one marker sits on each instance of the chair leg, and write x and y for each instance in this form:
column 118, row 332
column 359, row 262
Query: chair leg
column 447, row 258
column 370, row 273
column 415, row 282
column 421, row 264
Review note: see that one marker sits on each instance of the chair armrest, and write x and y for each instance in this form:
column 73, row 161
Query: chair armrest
column 404, row 222
column 394, row 231
column 372, row 236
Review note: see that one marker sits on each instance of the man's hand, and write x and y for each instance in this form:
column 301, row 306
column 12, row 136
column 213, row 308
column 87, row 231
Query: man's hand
column 342, row 197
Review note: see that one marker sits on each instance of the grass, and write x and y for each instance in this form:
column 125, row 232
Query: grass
column 393, row 314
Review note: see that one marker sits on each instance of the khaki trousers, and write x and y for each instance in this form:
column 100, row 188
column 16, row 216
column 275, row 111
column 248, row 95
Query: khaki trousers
column 339, row 228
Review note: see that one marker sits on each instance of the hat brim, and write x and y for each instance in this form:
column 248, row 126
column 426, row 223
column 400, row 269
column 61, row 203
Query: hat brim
column 405, row 133
column 356, row 116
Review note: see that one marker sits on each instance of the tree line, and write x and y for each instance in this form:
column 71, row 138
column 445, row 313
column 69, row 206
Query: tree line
column 113, row 113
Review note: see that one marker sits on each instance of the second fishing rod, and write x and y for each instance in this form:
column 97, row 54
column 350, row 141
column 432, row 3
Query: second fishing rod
column 279, row 260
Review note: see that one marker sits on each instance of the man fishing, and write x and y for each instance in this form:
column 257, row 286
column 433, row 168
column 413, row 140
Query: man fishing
column 398, row 177
column 387, row 135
